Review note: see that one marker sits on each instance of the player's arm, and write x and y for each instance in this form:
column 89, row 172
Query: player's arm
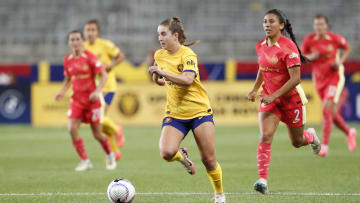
column 294, row 80
column 95, row 95
column 116, row 60
column 66, row 85
column 156, row 78
column 345, row 55
column 259, row 80
column 186, row 78
column 305, row 49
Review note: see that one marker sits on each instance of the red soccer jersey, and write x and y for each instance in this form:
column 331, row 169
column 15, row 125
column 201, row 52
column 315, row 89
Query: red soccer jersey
column 328, row 48
column 82, row 71
column 274, row 62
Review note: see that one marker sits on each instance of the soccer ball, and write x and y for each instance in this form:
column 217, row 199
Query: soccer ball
column 121, row 190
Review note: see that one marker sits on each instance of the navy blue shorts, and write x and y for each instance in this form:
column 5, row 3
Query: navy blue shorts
column 109, row 97
column 186, row 125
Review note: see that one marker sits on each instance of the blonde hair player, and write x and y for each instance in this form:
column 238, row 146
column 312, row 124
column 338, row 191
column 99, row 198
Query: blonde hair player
column 80, row 69
column 110, row 55
column 282, row 98
column 188, row 107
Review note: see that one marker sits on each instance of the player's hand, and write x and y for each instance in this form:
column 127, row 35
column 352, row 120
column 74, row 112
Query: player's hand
column 94, row 96
column 335, row 66
column 251, row 96
column 59, row 96
column 267, row 99
column 314, row 55
column 108, row 68
column 157, row 70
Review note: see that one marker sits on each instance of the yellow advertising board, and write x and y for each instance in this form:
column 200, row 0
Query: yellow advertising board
column 143, row 104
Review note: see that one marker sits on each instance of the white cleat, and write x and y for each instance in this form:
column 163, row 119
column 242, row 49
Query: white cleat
column 188, row 164
column 261, row 186
column 110, row 161
column 315, row 145
column 84, row 165
column 220, row 198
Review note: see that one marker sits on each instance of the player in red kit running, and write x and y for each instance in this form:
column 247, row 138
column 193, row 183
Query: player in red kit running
column 80, row 69
column 322, row 48
column 282, row 98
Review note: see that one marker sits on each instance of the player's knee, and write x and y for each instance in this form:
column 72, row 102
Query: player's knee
column 209, row 162
column 266, row 137
column 167, row 155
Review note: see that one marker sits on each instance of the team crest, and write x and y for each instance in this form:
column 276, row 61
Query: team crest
column 330, row 47
column 274, row 60
column 86, row 67
column 180, row 68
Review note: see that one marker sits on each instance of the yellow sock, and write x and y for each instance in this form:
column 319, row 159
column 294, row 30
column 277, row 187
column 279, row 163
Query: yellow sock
column 215, row 177
column 176, row 157
column 112, row 143
column 109, row 126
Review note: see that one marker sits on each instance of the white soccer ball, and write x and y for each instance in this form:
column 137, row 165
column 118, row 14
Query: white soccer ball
column 121, row 190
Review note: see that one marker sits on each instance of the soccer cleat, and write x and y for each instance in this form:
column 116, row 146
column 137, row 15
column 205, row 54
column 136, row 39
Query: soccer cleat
column 324, row 151
column 261, row 186
column 120, row 139
column 351, row 140
column 220, row 198
column 188, row 164
column 118, row 156
column 84, row 165
column 110, row 161
column 315, row 145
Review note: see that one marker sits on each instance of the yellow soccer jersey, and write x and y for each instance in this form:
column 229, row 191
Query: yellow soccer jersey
column 183, row 102
column 105, row 50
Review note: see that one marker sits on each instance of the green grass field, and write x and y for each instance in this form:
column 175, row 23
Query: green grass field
column 37, row 165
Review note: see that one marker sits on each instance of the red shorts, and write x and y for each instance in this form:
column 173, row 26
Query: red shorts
column 330, row 88
column 291, row 111
column 86, row 113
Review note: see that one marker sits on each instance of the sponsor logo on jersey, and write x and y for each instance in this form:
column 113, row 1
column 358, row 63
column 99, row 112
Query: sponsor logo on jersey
column 293, row 55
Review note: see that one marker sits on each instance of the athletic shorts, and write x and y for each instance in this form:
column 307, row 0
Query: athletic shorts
column 109, row 97
column 291, row 111
column 186, row 125
column 87, row 114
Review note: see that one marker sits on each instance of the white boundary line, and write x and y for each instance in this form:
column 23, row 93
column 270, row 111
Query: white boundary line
column 178, row 194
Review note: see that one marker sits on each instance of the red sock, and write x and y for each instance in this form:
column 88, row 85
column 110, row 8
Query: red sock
column 309, row 137
column 106, row 146
column 327, row 125
column 263, row 159
column 341, row 124
column 80, row 149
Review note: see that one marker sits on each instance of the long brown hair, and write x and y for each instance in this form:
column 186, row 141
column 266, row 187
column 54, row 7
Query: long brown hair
column 175, row 26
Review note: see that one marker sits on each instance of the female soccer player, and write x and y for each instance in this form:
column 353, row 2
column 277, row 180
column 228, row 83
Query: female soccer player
column 282, row 98
column 80, row 68
column 322, row 48
column 188, row 106
column 110, row 56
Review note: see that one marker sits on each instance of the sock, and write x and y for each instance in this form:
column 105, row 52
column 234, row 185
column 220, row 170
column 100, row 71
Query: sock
column 327, row 125
column 309, row 137
column 263, row 159
column 80, row 149
column 112, row 143
column 176, row 157
column 106, row 146
column 108, row 126
column 341, row 124
column 215, row 177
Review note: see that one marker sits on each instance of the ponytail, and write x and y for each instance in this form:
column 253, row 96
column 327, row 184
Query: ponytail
column 175, row 26
column 288, row 28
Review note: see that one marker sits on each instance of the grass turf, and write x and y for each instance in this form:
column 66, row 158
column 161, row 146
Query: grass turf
column 41, row 161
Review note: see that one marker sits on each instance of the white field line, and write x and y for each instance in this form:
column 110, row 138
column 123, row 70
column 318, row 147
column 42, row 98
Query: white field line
column 179, row 194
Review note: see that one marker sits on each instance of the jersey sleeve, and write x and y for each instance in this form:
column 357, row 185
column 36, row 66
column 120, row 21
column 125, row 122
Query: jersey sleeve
column 292, row 57
column 190, row 64
column 111, row 49
column 66, row 70
column 95, row 64
column 341, row 42
column 305, row 48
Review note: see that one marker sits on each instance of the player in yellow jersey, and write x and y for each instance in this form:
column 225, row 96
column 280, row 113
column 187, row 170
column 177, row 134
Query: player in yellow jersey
column 188, row 106
column 110, row 55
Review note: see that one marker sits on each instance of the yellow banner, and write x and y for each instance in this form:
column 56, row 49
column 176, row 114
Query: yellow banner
column 143, row 104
